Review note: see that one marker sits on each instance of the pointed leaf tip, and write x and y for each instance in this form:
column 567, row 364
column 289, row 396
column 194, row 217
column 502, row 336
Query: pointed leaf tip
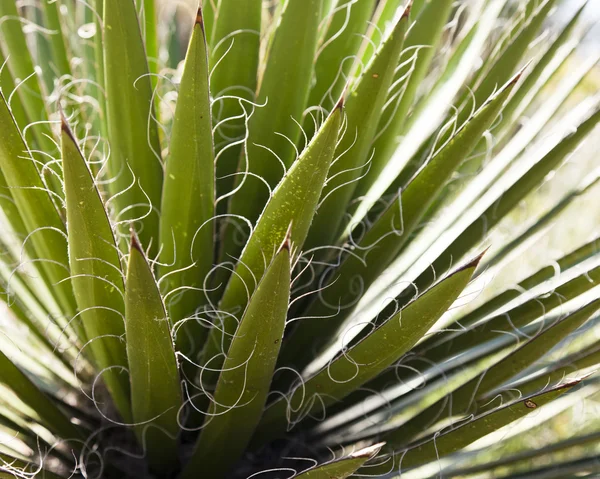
column 340, row 104
column 199, row 18
column 475, row 261
column 135, row 242
column 287, row 241
column 520, row 73
column 64, row 126
column 407, row 9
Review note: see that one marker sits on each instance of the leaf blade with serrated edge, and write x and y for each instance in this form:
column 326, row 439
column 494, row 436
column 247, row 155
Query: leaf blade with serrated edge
column 153, row 370
column 343, row 467
column 243, row 384
column 134, row 163
column 95, row 272
column 377, row 351
column 293, row 203
column 186, row 229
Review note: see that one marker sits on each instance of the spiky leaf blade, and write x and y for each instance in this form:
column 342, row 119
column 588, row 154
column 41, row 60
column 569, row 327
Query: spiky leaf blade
column 284, row 92
column 243, row 384
column 390, row 232
column 37, row 211
column 343, row 467
column 292, row 207
column 96, row 273
column 30, row 394
column 153, row 370
column 186, row 229
column 234, row 60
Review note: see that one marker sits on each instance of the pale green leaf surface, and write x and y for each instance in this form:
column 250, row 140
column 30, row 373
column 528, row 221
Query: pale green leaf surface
column 153, row 370
column 186, row 229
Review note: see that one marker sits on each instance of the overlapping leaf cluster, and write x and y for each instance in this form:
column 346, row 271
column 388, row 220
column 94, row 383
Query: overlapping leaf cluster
column 239, row 258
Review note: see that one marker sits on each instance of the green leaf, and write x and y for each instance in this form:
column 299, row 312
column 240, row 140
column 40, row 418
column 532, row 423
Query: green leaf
column 26, row 391
column 186, row 229
column 389, row 233
column 534, row 349
column 530, row 86
column 540, row 225
column 60, row 59
column 96, row 273
column 420, row 47
column 209, row 12
column 283, row 92
column 243, row 385
column 22, row 70
column 368, row 358
column 509, row 58
column 292, row 207
column 234, row 60
column 153, row 370
column 341, row 468
column 36, row 209
column 336, row 54
column 363, row 110
column 134, row 162
column 575, row 362
column 7, row 85
column 150, row 20
column 525, row 455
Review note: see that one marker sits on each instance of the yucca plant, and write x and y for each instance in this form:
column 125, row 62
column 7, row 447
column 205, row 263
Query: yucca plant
column 255, row 256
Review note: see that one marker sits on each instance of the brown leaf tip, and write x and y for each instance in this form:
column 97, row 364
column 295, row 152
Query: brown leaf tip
column 340, row 104
column 520, row 73
column 135, row 242
column 64, row 127
column 287, row 241
column 199, row 18
column 407, row 9
column 475, row 261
